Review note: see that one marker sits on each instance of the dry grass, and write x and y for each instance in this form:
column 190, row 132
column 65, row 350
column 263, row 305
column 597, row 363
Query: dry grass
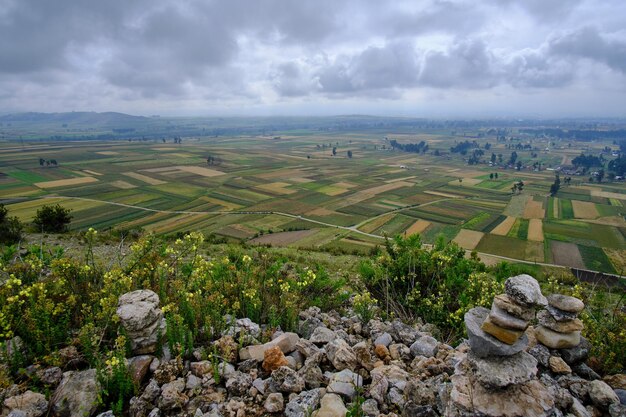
column 66, row 182
column 466, row 181
column 468, row 239
column 503, row 228
column 371, row 192
column 584, row 210
column 535, row 230
column 205, row 172
column 618, row 258
column 607, row 194
column 376, row 223
column 321, row 211
column 108, row 153
column 417, row 227
column 534, row 210
column 90, row 172
column 229, row 205
column 144, row 178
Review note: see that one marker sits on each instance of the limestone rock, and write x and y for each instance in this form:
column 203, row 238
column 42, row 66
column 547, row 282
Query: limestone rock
column 384, row 339
column 331, row 406
column 507, row 336
column 395, row 376
column 31, row 404
column 286, row 341
column 560, row 315
column 76, row 395
column 364, row 355
column 322, row 335
column 502, row 371
column 312, row 375
column 381, row 351
column 483, row 344
column 556, row 340
column 302, row 405
column 566, row 303
column 505, row 303
column 578, row 353
column 345, row 383
column 172, row 397
column 239, row 384
column 227, row 348
column 602, row 394
column 524, row 289
column 424, row 346
column 285, row 379
column 617, row 381
column 341, row 355
column 138, row 367
column 502, row 318
column 274, row 403
column 142, row 319
column 559, row 366
column 531, row 399
column 545, row 319
column 51, row 376
column 274, row 359
column 370, row 408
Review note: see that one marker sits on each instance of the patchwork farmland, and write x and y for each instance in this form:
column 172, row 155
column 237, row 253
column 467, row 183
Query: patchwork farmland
column 290, row 190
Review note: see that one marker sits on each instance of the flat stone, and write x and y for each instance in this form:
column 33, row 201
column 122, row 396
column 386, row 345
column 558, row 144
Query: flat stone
column 510, row 306
column 483, row 344
column 384, row 339
column 424, row 346
column 322, row 335
column 341, row 355
column 555, row 340
column 502, row 318
column 525, row 290
column 602, row 394
column 138, row 367
column 499, row 372
column 578, row 353
column 331, row 406
column 345, row 383
column 558, row 365
column 274, row 358
column 566, row 303
column 274, row 403
column 560, row 315
column 286, row 341
column 617, row 381
column 302, row 405
column 507, row 336
column 568, row 326
column 31, row 404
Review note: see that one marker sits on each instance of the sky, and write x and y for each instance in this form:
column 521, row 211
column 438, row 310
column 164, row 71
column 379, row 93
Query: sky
column 420, row 58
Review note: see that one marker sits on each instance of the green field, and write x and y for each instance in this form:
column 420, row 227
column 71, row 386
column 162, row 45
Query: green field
column 289, row 180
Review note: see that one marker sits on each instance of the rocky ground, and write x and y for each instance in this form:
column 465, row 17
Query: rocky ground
column 335, row 364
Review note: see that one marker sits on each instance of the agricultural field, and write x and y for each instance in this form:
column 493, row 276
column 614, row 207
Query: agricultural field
column 288, row 189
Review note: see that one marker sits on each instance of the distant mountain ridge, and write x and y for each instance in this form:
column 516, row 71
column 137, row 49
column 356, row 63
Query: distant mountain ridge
column 73, row 117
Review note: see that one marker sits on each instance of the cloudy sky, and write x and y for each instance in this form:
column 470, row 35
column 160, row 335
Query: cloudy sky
column 430, row 58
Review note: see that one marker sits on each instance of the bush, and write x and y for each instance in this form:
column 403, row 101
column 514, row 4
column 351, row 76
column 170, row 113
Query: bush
column 55, row 219
column 10, row 228
column 438, row 285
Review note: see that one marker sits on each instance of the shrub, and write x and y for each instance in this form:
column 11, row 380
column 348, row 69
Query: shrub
column 439, row 285
column 54, row 219
column 10, row 228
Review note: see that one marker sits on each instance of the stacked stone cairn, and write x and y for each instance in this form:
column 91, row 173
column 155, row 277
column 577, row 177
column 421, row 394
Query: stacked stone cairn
column 559, row 327
column 498, row 377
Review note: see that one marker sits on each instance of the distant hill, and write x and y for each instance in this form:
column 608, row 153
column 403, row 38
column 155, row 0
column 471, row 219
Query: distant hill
column 91, row 118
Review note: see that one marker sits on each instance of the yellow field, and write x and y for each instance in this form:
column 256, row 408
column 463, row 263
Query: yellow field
column 376, row 223
column 534, row 210
column 229, row 205
column 205, row 172
column 466, row 181
column 371, row 192
column 66, row 182
column 535, row 230
column 584, row 209
column 417, row 227
column 332, row 190
column 276, row 188
column 440, row 194
column 108, row 153
column 123, row 185
column 321, row 211
column 468, row 239
column 503, row 228
column 164, row 149
column 607, row 194
column 144, row 178
column 88, row 171
column 26, row 210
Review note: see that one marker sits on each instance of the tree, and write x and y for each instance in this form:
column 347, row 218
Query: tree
column 491, row 176
column 496, row 175
column 41, row 161
column 554, row 188
column 493, row 158
column 334, row 150
column 52, row 219
column 10, row 227
column 517, row 187
column 600, row 175
column 513, row 158
column 349, row 154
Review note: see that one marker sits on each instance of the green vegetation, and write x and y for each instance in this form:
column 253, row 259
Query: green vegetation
column 10, row 227
column 595, row 259
column 566, row 209
column 52, row 219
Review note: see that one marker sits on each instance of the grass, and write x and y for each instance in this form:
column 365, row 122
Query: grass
column 494, row 223
column 28, row 177
column 595, row 259
column 566, row 209
column 476, row 221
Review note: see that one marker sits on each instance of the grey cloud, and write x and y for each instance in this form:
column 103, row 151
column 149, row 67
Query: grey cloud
column 588, row 43
column 468, row 64
column 537, row 69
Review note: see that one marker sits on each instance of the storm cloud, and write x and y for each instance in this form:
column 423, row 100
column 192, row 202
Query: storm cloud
column 268, row 56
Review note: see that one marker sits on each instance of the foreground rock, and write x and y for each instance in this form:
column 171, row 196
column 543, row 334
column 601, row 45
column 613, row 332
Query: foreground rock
column 77, row 395
column 29, row 404
column 142, row 319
